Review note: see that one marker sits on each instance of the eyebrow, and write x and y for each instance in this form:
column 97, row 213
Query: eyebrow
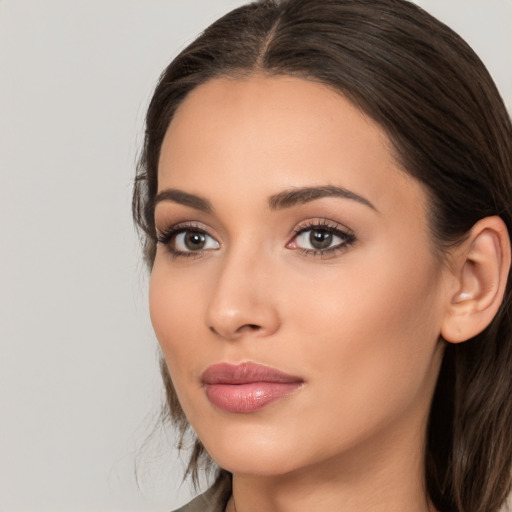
column 184, row 198
column 303, row 195
column 282, row 200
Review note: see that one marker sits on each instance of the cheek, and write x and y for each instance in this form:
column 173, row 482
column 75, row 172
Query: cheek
column 370, row 338
column 175, row 319
column 179, row 328
column 382, row 292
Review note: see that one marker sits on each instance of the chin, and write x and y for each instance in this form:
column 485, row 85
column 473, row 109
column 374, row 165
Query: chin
column 256, row 463
column 255, row 454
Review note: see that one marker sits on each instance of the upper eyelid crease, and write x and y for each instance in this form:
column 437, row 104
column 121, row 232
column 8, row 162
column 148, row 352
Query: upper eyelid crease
column 182, row 226
column 322, row 223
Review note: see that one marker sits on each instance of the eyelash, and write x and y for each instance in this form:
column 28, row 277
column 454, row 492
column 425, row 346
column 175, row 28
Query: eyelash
column 345, row 234
column 168, row 238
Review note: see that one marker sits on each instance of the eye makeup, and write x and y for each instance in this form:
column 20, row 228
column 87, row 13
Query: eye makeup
column 321, row 238
column 312, row 238
column 187, row 240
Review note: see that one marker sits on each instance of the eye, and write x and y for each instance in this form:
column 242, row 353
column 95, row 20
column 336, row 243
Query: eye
column 187, row 241
column 321, row 238
column 194, row 241
column 317, row 239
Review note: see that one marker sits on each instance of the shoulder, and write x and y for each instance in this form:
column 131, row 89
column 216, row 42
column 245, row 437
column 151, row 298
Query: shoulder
column 213, row 500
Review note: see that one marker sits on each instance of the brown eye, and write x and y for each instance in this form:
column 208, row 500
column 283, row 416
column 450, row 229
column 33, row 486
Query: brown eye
column 320, row 239
column 194, row 241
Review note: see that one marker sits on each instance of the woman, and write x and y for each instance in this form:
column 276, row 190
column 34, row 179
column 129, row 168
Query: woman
column 325, row 193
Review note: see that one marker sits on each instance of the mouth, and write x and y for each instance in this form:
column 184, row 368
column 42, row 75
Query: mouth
column 247, row 387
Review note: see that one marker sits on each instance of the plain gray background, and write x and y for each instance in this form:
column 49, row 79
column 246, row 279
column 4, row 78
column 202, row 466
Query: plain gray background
column 79, row 383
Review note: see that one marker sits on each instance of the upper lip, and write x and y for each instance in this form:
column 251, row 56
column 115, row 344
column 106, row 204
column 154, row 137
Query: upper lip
column 245, row 373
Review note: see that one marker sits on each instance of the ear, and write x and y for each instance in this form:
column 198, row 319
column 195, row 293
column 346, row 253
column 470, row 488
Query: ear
column 480, row 268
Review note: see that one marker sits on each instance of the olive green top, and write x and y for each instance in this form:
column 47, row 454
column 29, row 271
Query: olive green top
column 213, row 500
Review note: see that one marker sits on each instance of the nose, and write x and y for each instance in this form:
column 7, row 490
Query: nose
column 242, row 302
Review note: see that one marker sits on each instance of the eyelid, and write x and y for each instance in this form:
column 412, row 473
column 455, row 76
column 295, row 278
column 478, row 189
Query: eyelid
column 324, row 224
column 167, row 237
column 179, row 241
column 343, row 232
column 187, row 225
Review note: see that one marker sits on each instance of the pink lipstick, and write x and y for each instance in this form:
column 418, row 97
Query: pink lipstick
column 247, row 387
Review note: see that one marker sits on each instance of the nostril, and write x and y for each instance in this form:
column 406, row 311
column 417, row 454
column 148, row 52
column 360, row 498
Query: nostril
column 232, row 334
column 248, row 327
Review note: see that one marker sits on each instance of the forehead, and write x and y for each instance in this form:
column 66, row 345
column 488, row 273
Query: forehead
column 268, row 133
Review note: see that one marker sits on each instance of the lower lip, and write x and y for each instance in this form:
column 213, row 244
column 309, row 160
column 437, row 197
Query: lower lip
column 244, row 398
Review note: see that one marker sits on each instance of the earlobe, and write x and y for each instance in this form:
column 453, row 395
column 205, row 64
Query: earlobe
column 481, row 270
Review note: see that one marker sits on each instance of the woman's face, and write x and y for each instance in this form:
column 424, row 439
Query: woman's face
column 291, row 240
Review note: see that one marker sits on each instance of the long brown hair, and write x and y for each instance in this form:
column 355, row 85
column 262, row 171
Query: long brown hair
column 450, row 130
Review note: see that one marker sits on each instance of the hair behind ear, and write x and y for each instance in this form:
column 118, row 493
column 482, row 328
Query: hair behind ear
column 473, row 401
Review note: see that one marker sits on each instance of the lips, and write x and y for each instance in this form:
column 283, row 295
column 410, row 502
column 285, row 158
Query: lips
column 247, row 387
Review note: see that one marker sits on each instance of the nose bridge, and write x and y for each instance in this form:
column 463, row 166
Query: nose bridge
column 242, row 301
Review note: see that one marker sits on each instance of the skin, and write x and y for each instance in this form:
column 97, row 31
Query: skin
column 360, row 325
